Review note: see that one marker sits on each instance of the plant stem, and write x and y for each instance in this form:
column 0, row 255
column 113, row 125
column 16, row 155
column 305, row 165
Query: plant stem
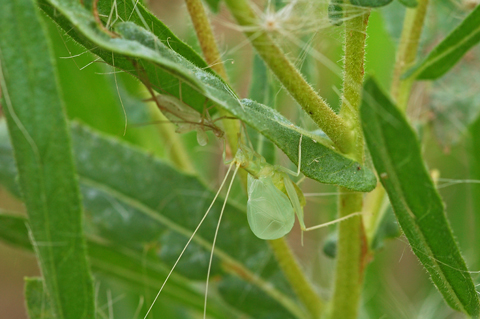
column 296, row 277
column 210, row 51
column 349, row 264
column 282, row 251
column 351, row 247
column 334, row 126
column 407, row 52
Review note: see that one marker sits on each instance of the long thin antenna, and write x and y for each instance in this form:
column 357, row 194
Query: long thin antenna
column 190, row 239
column 120, row 97
column 215, row 238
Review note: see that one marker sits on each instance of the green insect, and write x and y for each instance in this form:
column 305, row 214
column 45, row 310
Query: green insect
column 273, row 199
column 273, row 202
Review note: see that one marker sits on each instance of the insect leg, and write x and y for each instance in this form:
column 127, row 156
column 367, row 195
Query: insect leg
column 120, row 97
column 299, row 166
column 292, row 193
column 335, row 221
column 191, row 237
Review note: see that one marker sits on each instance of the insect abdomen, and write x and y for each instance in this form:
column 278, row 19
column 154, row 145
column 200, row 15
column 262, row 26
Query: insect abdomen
column 269, row 211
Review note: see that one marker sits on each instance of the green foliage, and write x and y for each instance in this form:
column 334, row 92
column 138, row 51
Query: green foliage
column 448, row 52
column 38, row 305
column 140, row 43
column 474, row 139
column 335, row 12
column 370, row 3
column 122, row 208
column 214, row 5
column 409, row 3
column 262, row 90
column 422, row 218
column 123, row 264
column 124, row 200
column 46, row 172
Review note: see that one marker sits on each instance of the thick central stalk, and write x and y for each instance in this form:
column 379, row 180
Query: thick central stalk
column 333, row 125
column 351, row 249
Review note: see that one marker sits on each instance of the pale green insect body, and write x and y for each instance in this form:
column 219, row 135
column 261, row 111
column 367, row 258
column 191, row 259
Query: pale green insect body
column 269, row 211
column 273, row 199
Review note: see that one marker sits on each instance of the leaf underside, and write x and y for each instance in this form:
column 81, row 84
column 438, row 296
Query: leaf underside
column 164, row 68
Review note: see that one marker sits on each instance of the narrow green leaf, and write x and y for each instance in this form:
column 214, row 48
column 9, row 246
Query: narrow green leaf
column 214, row 5
column 335, row 12
column 262, row 90
column 136, row 12
column 387, row 229
column 8, row 170
column 370, row 3
column 132, row 198
column 140, row 47
column 165, row 205
column 420, row 212
column 474, row 139
column 37, row 125
column 89, row 35
column 140, row 271
column 38, row 304
column 261, row 86
column 14, row 231
column 448, row 52
column 409, row 3
column 320, row 161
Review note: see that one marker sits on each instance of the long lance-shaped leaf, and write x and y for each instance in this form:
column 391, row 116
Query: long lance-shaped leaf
column 41, row 142
column 419, row 209
column 132, row 198
column 370, row 3
column 448, row 52
column 139, row 47
column 130, row 266
column 474, row 139
column 38, row 305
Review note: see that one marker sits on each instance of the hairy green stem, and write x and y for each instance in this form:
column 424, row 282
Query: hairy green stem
column 407, row 52
column 349, row 263
column 201, row 23
column 333, row 125
column 296, row 277
column 282, row 251
column 205, row 36
column 351, row 247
